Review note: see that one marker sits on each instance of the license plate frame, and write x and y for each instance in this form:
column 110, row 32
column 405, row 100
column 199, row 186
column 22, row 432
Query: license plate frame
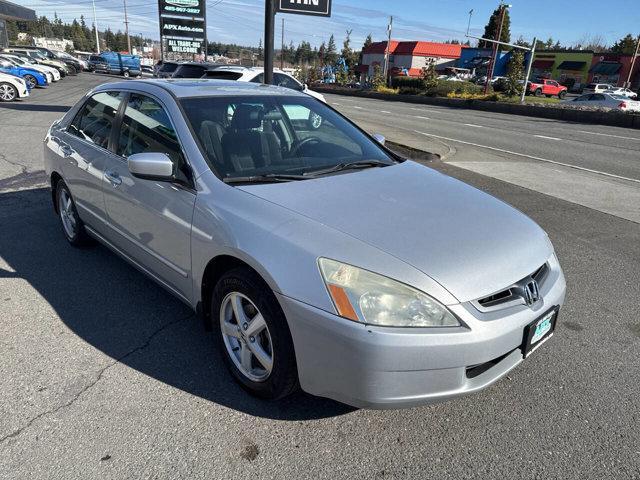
column 545, row 321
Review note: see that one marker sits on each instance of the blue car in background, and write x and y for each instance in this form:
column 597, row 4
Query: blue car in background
column 33, row 77
column 116, row 63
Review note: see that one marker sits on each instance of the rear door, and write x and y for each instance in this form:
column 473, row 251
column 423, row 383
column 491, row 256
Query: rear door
column 151, row 220
column 83, row 147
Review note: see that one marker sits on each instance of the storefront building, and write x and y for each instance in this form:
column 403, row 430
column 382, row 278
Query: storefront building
column 408, row 58
column 477, row 61
column 614, row 69
column 11, row 11
column 569, row 67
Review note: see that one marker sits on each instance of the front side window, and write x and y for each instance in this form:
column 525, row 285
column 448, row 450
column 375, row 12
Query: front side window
column 276, row 135
column 146, row 128
column 95, row 119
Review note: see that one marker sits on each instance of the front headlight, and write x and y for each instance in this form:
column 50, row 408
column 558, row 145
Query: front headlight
column 366, row 297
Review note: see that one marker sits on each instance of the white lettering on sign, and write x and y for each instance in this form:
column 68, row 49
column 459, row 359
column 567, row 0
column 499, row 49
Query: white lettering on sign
column 305, row 2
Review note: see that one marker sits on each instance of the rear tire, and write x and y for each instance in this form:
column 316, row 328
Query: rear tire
column 8, row 93
column 72, row 226
column 125, row 74
column 538, row 92
column 241, row 301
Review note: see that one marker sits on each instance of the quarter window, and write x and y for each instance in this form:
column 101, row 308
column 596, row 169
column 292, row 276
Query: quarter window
column 286, row 81
column 95, row 119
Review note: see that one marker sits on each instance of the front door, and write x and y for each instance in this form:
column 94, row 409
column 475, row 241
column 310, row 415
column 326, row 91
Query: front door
column 149, row 219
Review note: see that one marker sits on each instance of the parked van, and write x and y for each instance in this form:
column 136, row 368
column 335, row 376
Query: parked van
column 117, row 63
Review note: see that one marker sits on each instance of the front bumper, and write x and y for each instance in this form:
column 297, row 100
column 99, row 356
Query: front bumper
column 382, row 367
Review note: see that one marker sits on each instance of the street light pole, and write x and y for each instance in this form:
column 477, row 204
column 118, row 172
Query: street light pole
column 532, row 53
column 95, row 26
column 492, row 62
column 126, row 27
column 269, row 27
column 627, row 84
column 388, row 49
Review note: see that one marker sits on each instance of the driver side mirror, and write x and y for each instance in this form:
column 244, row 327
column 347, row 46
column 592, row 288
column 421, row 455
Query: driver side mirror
column 151, row 166
column 379, row 138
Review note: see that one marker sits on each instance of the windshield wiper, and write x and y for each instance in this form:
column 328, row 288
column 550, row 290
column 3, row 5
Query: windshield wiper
column 348, row 166
column 267, row 178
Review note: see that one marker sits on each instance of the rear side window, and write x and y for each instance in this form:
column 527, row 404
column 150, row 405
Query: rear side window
column 286, row 81
column 222, row 75
column 95, row 119
column 169, row 67
column 189, row 71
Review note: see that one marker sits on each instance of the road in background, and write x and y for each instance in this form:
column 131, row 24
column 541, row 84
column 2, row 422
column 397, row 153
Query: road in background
column 103, row 374
column 591, row 165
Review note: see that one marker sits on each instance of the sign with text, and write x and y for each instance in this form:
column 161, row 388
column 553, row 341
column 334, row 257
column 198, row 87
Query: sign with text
column 182, row 8
column 177, row 45
column 321, row 8
column 182, row 28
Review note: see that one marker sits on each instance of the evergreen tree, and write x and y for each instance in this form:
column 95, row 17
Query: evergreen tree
column 331, row 54
column 626, row 45
column 491, row 29
column 515, row 73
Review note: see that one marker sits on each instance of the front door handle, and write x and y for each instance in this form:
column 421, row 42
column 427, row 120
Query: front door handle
column 113, row 177
column 66, row 150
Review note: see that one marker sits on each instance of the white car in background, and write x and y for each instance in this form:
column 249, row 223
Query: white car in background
column 607, row 100
column 256, row 75
column 625, row 92
column 597, row 88
column 51, row 73
column 12, row 87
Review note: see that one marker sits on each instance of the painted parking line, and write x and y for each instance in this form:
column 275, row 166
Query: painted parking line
column 358, row 108
column 385, row 111
column 609, row 135
column 474, row 125
column 540, row 159
column 547, row 138
column 336, row 104
column 421, row 118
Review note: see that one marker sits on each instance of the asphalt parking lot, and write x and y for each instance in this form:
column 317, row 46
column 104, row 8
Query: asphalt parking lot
column 104, row 375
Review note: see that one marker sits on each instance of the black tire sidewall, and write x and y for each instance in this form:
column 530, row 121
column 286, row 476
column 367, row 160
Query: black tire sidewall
column 81, row 238
column 284, row 378
column 31, row 81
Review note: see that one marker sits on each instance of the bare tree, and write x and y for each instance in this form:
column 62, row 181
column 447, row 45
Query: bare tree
column 595, row 42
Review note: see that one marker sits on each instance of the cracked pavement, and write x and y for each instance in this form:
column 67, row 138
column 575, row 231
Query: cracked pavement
column 105, row 375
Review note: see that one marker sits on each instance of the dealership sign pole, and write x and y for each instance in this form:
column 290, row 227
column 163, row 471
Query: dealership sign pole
column 318, row 8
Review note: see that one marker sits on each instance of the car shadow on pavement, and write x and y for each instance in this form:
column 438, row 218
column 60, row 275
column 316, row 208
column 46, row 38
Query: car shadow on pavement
column 117, row 310
column 34, row 107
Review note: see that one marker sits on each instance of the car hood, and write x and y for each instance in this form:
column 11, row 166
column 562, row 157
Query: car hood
column 468, row 241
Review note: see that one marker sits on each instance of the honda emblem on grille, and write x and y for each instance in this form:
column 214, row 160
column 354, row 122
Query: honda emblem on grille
column 531, row 293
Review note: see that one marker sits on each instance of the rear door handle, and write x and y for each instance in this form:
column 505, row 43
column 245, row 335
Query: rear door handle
column 113, row 177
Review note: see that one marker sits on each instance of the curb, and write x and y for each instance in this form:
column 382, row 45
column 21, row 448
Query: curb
column 613, row 119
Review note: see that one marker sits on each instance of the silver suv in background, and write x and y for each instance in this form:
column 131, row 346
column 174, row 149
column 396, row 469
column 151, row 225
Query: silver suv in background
column 319, row 258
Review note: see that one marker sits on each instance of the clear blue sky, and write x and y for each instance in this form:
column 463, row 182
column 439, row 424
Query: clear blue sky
column 241, row 21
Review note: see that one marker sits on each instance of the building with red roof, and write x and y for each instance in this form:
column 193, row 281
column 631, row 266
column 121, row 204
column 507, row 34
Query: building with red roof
column 408, row 58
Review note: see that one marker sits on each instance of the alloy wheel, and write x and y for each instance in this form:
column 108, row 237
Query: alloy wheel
column 31, row 81
column 246, row 337
column 67, row 213
column 7, row 92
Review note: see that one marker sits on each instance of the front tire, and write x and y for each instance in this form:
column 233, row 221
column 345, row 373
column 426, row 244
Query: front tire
column 8, row 93
column 253, row 336
column 72, row 226
column 562, row 94
column 31, row 81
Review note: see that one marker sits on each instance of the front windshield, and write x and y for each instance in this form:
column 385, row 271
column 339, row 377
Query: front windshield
column 266, row 135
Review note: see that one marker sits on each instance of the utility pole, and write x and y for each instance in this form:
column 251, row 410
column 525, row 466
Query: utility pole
column 95, row 26
column 388, row 49
column 269, row 27
column 126, row 27
column 494, row 54
column 532, row 53
column 282, row 47
column 627, row 84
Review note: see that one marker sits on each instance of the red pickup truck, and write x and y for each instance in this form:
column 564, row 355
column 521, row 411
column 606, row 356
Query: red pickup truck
column 544, row 86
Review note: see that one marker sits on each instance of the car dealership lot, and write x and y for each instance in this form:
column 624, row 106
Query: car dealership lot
column 104, row 374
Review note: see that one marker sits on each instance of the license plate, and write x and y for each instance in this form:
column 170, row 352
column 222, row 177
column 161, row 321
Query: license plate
column 539, row 331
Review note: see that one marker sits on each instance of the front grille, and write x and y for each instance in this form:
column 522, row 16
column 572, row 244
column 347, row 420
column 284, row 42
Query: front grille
column 513, row 293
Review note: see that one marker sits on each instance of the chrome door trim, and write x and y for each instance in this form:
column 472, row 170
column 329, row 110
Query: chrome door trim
column 137, row 265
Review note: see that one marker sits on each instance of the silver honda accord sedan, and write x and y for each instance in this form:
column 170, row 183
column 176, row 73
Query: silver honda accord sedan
column 319, row 259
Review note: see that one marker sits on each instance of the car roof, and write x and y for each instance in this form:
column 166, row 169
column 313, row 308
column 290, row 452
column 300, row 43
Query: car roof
column 186, row 88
